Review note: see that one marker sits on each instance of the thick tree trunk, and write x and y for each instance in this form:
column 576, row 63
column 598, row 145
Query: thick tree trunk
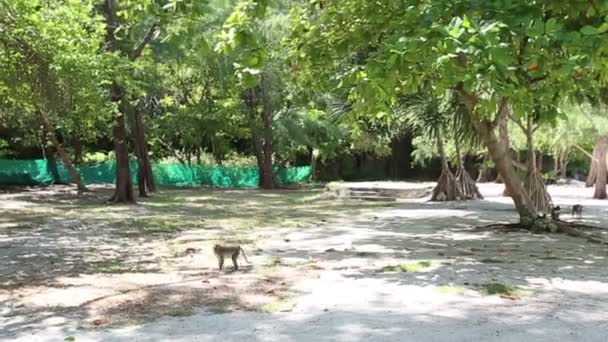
column 266, row 180
column 504, row 165
column 563, row 173
column 600, row 155
column 145, row 179
column 123, row 192
column 447, row 188
column 50, row 130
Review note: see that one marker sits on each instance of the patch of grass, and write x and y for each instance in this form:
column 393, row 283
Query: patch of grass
column 491, row 261
column 410, row 267
column 275, row 261
column 108, row 266
column 280, row 305
column 450, row 289
column 218, row 309
column 498, row 289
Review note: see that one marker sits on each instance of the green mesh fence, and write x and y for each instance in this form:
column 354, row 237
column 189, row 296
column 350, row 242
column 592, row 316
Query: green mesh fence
column 45, row 172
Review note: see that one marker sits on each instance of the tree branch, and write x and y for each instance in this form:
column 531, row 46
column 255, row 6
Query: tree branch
column 518, row 122
column 145, row 41
column 502, row 111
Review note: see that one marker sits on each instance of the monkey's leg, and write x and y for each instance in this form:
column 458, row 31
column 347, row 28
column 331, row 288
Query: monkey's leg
column 221, row 262
column 234, row 257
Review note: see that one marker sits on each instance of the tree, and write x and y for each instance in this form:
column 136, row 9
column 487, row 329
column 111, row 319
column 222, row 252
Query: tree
column 255, row 48
column 130, row 29
column 497, row 55
column 46, row 74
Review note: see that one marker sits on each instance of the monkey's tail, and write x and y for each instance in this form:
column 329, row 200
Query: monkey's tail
column 244, row 255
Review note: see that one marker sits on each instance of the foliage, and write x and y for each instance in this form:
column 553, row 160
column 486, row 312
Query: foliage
column 526, row 53
column 53, row 63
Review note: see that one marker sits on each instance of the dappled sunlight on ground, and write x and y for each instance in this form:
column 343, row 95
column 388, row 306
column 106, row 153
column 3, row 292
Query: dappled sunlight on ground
column 321, row 269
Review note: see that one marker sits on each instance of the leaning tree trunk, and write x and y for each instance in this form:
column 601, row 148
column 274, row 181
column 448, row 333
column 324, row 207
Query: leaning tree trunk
column 447, row 188
column 145, row 179
column 463, row 179
column 50, row 130
column 534, row 183
column 600, row 155
column 504, row 165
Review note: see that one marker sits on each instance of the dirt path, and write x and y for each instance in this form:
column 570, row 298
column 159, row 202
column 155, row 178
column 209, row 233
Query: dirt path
column 321, row 271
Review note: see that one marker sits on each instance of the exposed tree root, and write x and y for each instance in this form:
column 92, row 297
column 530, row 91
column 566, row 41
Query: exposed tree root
column 535, row 185
column 544, row 225
column 467, row 185
column 447, row 188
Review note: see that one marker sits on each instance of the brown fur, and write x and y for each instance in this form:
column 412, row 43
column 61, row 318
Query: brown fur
column 232, row 251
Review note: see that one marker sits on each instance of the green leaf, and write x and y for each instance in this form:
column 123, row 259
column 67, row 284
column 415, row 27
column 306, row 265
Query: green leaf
column 537, row 29
column 589, row 30
column 552, row 27
column 466, row 23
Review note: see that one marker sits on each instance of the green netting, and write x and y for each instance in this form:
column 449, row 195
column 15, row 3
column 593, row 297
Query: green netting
column 45, row 172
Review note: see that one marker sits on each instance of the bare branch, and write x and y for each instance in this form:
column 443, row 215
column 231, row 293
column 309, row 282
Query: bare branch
column 145, row 41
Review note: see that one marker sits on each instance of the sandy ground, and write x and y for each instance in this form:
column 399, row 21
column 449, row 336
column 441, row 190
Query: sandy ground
column 325, row 262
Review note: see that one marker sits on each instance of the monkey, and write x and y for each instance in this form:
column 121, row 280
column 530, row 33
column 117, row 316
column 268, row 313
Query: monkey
column 232, row 251
column 555, row 211
column 190, row 251
column 578, row 210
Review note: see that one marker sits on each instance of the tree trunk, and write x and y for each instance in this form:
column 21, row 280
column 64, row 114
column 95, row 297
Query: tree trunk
column 600, row 155
column 556, row 163
column 593, row 170
column 251, row 101
column 504, row 165
column 484, row 172
column 313, row 164
column 50, row 130
column 145, row 179
column 534, row 183
column 267, row 180
column 123, row 192
column 447, row 188
column 77, row 151
column 503, row 134
column 463, row 179
column 563, row 173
